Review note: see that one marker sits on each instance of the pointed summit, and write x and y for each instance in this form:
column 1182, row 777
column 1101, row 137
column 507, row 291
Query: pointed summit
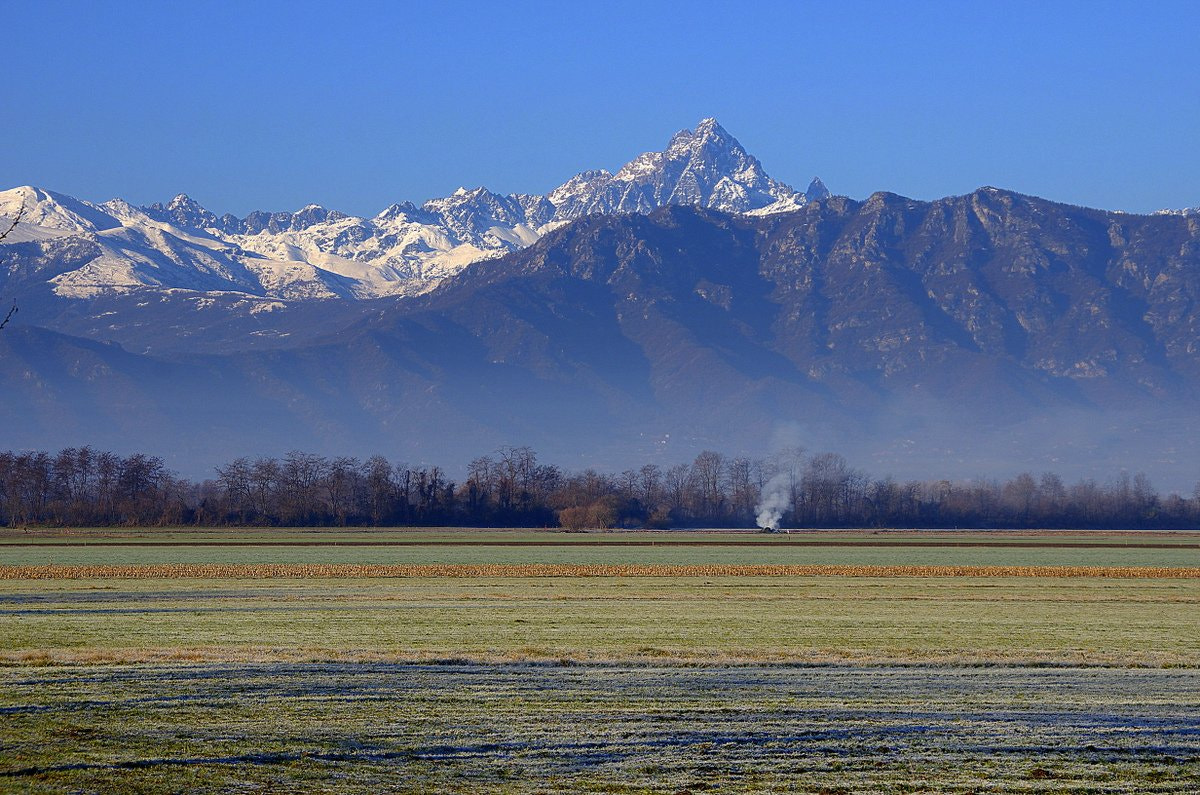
column 816, row 190
column 706, row 167
column 711, row 130
column 708, row 139
column 185, row 206
column 182, row 211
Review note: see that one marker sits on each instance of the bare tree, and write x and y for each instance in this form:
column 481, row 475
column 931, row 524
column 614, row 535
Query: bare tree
column 708, row 486
column 381, row 489
column 344, row 488
column 234, row 482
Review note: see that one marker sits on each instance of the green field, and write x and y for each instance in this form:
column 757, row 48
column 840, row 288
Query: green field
column 93, row 546
column 600, row 684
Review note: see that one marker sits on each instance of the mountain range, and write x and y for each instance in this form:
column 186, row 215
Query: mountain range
column 687, row 301
column 84, row 249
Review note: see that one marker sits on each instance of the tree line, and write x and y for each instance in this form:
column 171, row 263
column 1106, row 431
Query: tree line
column 511, row 488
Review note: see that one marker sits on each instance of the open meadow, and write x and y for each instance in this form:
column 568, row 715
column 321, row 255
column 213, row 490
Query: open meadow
column 499, row 661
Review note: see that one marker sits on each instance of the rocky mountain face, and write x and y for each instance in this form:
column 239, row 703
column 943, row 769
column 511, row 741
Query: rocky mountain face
column 969, row 335
column 84, row 250
column 895, row 292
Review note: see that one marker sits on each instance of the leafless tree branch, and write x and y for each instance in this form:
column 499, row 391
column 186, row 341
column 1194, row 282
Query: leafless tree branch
column 16, row 220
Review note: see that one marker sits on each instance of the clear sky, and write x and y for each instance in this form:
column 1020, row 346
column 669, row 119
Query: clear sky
column 272, row 105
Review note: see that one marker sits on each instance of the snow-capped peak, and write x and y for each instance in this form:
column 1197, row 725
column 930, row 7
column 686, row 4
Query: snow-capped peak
column 51, row 210
column 183, row 202
column 183, row 211
column 706, row 166
column 707, row 133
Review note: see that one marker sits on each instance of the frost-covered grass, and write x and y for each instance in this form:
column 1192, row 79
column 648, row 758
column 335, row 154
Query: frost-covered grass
column 690, row 619
column 367, row 728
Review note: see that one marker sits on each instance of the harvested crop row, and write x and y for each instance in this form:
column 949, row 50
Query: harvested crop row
column 306, row 570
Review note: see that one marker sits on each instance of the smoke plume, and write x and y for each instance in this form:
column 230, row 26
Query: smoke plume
column 773, row 501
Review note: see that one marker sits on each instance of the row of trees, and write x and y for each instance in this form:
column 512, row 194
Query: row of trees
column 81, row 486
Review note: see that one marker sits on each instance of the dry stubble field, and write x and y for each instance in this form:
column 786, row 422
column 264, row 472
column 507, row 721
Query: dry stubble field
column 476, row 661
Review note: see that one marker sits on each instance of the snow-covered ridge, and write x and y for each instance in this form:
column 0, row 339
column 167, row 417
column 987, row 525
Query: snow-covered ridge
column 405, row 249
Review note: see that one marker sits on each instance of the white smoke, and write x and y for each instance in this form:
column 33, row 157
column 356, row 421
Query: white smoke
column 773, row 501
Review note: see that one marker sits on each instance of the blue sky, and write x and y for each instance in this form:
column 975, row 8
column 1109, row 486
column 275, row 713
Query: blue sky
column 355, row 105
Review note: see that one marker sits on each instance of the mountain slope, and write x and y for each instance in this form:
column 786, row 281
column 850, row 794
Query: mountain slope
column 886, row 290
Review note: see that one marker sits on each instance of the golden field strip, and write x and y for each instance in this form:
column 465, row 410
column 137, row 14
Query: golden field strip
column 283, row 570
